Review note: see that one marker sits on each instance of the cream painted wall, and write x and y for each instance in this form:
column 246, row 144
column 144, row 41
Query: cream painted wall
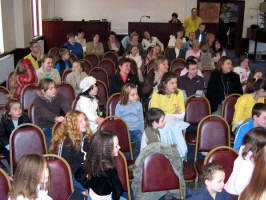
column 120, row 12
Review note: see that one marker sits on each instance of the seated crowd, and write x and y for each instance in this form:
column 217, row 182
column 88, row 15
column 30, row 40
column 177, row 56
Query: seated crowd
column 152, row 104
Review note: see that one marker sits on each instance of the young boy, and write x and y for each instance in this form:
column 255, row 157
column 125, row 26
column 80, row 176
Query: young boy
column 76, row 76
column 213, row 178
column 64, row 62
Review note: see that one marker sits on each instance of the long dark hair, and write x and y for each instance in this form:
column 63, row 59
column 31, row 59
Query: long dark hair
column 99, row 156
column 166, row 77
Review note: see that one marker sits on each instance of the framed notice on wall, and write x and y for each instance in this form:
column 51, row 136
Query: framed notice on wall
column 209, row 12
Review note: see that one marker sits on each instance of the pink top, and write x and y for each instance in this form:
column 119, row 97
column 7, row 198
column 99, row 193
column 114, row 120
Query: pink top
column 241, row 174
column 192, row 52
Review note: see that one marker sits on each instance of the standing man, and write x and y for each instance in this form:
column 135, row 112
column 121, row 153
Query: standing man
column 191, row 23
column 35, row 56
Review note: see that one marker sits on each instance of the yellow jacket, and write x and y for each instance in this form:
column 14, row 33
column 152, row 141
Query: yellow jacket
column 34, row 62
column 191, row 25
column 243, row 109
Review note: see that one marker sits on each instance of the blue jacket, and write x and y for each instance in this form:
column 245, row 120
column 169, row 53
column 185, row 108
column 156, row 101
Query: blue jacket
column 241, row 131
column 203, row 194
column 75, row 49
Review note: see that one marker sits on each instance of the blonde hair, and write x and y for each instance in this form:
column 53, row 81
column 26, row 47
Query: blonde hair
column 69, row 127
column 27, row 176
column 125, row 91
column 18, row 70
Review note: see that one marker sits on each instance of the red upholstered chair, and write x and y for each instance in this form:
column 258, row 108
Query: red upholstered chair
column 73, row 58
column 26, row 139
column 206, row 75
column 86, row 65
column 93, row 59
column 102, row 93
column 61, row 185
column 31, row 113
column 4, row 185
column 28, row 95
column 134, row 67
column 122, row 170
column 67, row 91
column 108, row 65
column 4, row 93
column 158, row 175
column 213, row 131
column 100, row 74
column 197, row 107
column 224, row 156
column 177, row 71
column 9, row 80
column 118, row 126
column 177, row 63
column 65, row 73
column 112, row 56
column 111, row 104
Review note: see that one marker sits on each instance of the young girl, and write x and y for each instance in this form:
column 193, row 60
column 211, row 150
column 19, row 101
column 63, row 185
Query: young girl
column 24, row 74
column 88, row 102
column 130, row 109
column 255, row 93
column 256, row 189
column 70, row 141
column 104, row 182
column 243, row 70
column 63, row 63
column 31, row 179
column 217, row 51
column 49, row 107
column 195, row 50
column 168, row 97
column 12, row 118
column 240, row 177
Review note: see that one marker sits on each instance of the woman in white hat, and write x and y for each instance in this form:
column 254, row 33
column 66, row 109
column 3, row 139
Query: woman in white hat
column 88, row 101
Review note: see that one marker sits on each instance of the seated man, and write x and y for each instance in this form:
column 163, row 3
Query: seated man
column 191, row 83
column 73, row 46
column 258, row 120
column 35, row 56
column 201, row 33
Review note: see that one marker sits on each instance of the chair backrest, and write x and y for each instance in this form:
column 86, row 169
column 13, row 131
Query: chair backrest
column 197, row 107
column 206, row 75
column 177, row 63
column 93, row 59
column 26, row 139
column 67, row 91
column 122, row 170
column 9, row 80
column 65, row 73
column 100, row 74
column 228, row 107
column 4, row 185
column 177, row 71
column 86, row 65
column 151, row 65
column 28, row 95
column 112, row 56
column 224, row 156
column 4, row 93
column 213, row 131
column 32, row 113
column 133, row 67
column 61, row 185
column 111, row 104
column 118, row 126
column 102, row 93
column 158, row 174
column 73, row 57
column 108, row 65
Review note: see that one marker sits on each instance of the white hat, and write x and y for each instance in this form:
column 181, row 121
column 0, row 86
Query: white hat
column 86, row 83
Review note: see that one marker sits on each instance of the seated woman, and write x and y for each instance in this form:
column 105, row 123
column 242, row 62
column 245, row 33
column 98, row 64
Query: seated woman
column 63, row 63
column 210, row 40
column 47, row 70
column 217, row 51
column 168, row 97
column 152, row 53
column 150, row 41
column 117, row 81
column 243, row 70
column 255, row 93
column 195, row 50
column 70, row 140
column 176, row 52
column 134, row 40
column 81, row 39
column 24, row 75
column 95, row 47
column 113, row 44
column 223, row 82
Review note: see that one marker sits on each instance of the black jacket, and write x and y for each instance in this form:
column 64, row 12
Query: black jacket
column 222, row 85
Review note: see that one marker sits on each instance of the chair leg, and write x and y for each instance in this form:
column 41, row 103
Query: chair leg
column 196, row 183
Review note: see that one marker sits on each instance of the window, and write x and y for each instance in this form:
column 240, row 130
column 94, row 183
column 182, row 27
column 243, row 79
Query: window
column 36, row 11
column 1, row 32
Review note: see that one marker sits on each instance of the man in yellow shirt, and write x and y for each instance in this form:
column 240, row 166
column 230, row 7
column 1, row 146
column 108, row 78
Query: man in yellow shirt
column 192, row 22
column 35, row 56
